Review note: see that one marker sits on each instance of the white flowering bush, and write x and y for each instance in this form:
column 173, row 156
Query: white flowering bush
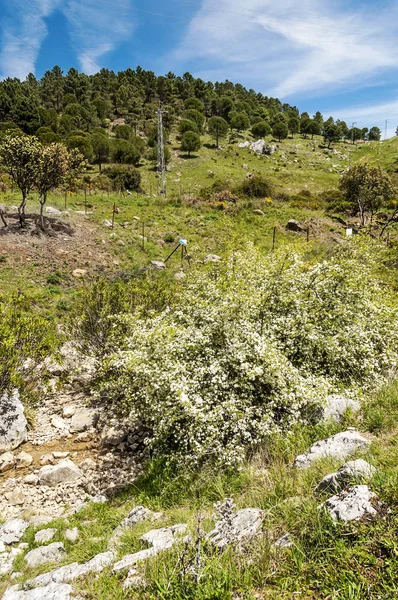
column 251, row 347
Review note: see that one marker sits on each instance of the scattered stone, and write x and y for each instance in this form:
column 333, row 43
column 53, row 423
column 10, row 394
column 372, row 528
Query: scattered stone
column 246, row 523
column 40, row 520
column 212, row 258
column 107, row 223
column 53, row 591
column 63, row 472
column 164, row 538
column 7, row 461
column 351, row 471
column 113, row 435
column 45, row 535
column 72, row 535
column 337, row 406
column 59, row 455
column 353, row 504
column 83, row 419
column 50, row 210
column 284, row 542
column 158, row 264
column 87, row 464
column 68, row 412
column 15, row 498
column 295, row 226
column 31, row 479
column 47, row 459
column 24, row 460
column 70, row 572
column 244, row 145
column 52, row 553
column 258, row 211
column 13, row 424
column 139, row 514
column 134, row 580
column 79, row 273
column 340, row 445
column 132, row 559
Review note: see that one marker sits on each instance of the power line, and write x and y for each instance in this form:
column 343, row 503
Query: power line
column 70, row 44
column 161, row 158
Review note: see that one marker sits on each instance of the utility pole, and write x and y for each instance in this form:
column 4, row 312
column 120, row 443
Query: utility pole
column 385, row 129
column 161, row 160
column 352, row 141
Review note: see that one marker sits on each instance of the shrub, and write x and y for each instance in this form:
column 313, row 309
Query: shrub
column 255, row 187
column 23, row 336
column 250, row 349
column 123, row 177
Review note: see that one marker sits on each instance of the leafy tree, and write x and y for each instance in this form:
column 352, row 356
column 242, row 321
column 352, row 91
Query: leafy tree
column 53, row 167
column 195, row 104
column 374, row 134
column 153, row 154
column 343, row 128
column 82, row 143
column 331, row 134
column 366, row 189
column 101, row 148
column 256, row 187
column 294, row 125
column 76, row 164
column 318, row 118
column 218, row 127
column 123, row 132
column 305, row 126
column 224, row 107
column 187, row 125
column 190, row 142
column 261, row 129
column 20, row 157
column 355, row 134
column 280, row 130
column 124, row 177
column 314, row 128
column 240, row 122
column 125, row 152
column 195, row 116
column 364, row 132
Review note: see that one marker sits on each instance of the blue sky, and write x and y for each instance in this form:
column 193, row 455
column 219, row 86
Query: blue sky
column 340, row 57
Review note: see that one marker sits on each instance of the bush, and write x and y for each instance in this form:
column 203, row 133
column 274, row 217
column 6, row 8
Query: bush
column 23, row 336
column 249, row 350
column 255, row 187
column 123, row 177
column 261, row 129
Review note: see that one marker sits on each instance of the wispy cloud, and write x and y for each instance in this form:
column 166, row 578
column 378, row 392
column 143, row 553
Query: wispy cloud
column 95, row 28
column 289, row 47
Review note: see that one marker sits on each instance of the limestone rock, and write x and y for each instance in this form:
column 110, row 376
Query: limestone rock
column 7, row 461
column 13, row 530
column 284, row 542
column 134, row 580
column 132, row 559
column 113, row 435
column 164, row 538
column 83, row 419
column 53, row 591
column 72, row 571
column 158, row 264
column 212, row 258
column 294, row 225
column 351, row 471
column 107, row 223
column 337, row 405
column 13, row 424
column 58, row 455
column 15, row 498
column 68, row 412
column 50, row 210
column 139, row 514
column 45, row 535
column 353, row 504
column 54, row 552
column 65, row 471
column 24, row 460
column 31, row 479
column 258, row 211
column 246, row 524
column 58, row 423
column 340, row 445
column 47, row 459
column 72, row 535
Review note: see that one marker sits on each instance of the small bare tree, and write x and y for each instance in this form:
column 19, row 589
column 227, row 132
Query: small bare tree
column 20, row 157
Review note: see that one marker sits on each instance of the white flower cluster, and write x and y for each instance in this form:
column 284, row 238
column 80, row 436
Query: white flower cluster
column 251, row 348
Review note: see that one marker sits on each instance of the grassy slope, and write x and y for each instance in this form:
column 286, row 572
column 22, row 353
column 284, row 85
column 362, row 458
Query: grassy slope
column 354, row 561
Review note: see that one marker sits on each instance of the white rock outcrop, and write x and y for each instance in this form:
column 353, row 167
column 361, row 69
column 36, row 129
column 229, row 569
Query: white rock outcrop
column 12, row 531
column 340, row 445
column 53, row 591
column 13, row 424
column 353, row 470
column 353, row 504
column 336, row 406
column 65, row 471
column 246, row 523
column 45, row 554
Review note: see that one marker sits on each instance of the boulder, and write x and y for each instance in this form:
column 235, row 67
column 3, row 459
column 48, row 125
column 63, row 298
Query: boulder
column 353, row 470
column 258, row 147
column 68, row 412
column 45, row 535
column 7, row 461
column 64, row 472
column 336, row 406
column 72, row 571
column 31, row 479
column 258, row 211
column 246, row 523
column 294, row 225
column 72, row 535
column 54, row 552
column 113, row 435
column 353, row 504
column 164, row 538
column 13, row 424
column 83, row 419
column 53, row 591
column 340, row 445
column 244, row 145
column 158, row 264
column 212, row 258
column 13, row 530
column 50, row 210
column 15, row 498
column 24, row 460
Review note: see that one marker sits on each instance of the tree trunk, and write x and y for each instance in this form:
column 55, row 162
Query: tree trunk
column 42, row 201
column 100, row 167
column 21, row 210
column 2, row 217
column 217, row 140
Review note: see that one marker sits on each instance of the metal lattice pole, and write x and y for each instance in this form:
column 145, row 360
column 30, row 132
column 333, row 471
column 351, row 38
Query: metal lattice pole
column 161, row 157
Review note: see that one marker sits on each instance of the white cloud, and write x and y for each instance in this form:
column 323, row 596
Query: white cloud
column 97, row 28
column 289, row 47
column 94, row 29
